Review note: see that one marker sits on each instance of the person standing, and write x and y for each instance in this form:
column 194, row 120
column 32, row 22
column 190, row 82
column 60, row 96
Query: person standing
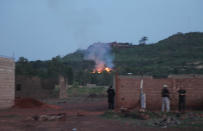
column 165, row 99
column 111, row 94
column 181, row 102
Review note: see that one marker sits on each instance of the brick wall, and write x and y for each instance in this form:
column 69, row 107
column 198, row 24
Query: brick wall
column 35, row 87
column 7, row 82
column 128, row 91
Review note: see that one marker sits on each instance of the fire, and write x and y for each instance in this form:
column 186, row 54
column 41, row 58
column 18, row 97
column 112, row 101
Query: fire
column 107, row 69
column 100, row 70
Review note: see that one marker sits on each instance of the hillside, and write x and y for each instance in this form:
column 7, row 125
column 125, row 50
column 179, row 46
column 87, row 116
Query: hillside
column 177, row 54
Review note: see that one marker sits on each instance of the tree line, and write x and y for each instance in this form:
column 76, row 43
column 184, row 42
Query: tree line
column 178, row 54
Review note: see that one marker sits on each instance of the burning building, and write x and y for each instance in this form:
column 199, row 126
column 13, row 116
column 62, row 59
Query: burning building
column 101, row 54
column 7, row 82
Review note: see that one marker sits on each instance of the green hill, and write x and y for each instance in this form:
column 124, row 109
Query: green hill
column 178, row 54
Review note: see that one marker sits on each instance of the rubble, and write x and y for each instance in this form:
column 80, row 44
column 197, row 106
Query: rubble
column 167, row 121
column 50, row 117
column 137, row 115
column 124, row 110
column 193, row 116
column 144, row 116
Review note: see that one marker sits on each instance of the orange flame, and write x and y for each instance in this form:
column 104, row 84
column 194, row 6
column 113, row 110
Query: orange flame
column 100, row 70
column 107, row 69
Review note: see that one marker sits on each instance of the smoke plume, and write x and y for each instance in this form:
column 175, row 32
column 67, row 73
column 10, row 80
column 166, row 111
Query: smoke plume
column 101, row 54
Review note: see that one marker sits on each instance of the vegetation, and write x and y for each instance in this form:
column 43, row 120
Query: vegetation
column 143, row 40
column 89, row 92
column 156, row 119
column 178, row 54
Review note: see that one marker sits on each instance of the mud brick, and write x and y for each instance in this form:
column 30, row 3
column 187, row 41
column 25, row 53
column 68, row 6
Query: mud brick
column 7, row 82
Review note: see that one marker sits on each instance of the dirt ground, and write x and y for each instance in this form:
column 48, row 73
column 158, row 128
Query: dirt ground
column 81, row 114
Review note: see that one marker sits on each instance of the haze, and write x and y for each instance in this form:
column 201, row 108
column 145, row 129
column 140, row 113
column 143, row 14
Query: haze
column 42, row 29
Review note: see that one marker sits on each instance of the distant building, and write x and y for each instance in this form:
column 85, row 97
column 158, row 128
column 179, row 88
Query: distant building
column 121, row 45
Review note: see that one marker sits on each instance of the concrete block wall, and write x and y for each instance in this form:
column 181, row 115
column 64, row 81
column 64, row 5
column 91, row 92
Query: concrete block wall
column 7, row 82
column 128, row 91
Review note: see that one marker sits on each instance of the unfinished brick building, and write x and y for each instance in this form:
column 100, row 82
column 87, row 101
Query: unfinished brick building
column 40, row 88
column 7, row 82
column 128, row 91
column 35, row 87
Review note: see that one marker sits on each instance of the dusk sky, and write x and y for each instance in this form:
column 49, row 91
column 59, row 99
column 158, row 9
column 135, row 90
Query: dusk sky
column 42, row 29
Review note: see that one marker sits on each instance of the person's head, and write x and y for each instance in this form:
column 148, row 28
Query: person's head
column 165, row 86
column 110, row 87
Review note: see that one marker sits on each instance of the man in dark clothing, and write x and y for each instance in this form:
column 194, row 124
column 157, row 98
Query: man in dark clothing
column 111, row 95
column 181, row 103
column 165, row 99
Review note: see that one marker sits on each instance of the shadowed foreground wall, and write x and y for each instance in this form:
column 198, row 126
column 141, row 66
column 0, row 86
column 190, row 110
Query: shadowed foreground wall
column 35, row 87
column 7, row 82
column 128, row 91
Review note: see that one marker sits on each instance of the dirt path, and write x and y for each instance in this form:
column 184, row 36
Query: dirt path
column 83, row 115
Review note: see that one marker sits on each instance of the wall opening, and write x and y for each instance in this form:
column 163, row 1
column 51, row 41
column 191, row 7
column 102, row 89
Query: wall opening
column 18, row 87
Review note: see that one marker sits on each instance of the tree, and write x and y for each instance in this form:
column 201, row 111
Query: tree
column 22, row 60
column 143, row 40
column 68, row 72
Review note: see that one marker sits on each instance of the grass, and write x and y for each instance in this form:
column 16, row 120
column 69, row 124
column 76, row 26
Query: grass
column 76, row 94
column 192, row 122
column 133, row 118
column 10, row 116
column 85, row 91
column 82, row 91
column 131, row 115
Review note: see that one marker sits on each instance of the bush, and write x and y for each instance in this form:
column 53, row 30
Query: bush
column 75, row 85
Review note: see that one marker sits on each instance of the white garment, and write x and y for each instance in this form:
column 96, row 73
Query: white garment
column 143, row 101
column 165, row 104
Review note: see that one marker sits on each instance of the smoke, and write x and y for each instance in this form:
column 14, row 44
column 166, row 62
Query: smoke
column 80, row 23
column 101, row 54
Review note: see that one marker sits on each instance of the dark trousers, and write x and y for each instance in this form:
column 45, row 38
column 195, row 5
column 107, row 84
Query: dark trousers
column 111, row 105
column 181, row 105
column 111, row 102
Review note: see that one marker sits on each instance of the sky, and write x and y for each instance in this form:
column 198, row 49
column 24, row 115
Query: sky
column 43, row 29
